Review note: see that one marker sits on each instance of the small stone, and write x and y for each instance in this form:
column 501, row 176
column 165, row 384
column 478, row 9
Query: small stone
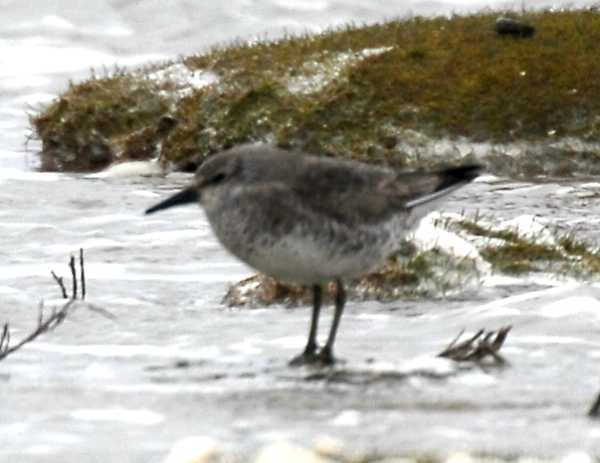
column 165, row 125
column 330, row 447
column 389, row 141
column 514, row 28
column 279, row 452
column 195, row 449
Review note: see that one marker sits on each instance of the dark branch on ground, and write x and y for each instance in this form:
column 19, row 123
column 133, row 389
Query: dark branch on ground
column 483, row 344
column 44, row 325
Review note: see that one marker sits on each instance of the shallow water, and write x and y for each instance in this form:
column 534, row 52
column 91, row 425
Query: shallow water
column 175, row 362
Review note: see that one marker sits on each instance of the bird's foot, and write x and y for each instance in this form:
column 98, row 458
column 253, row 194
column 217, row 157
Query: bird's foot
column 308, row 357
column 325, row 357
column 322, row 358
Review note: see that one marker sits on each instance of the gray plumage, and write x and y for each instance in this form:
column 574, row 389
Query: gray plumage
column 309, row 219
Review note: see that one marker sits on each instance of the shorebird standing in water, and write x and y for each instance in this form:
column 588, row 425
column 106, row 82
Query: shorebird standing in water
column 312, row 220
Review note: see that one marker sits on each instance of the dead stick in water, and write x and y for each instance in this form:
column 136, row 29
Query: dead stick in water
column 73, row 276
column 82, row 273
column 44, row 325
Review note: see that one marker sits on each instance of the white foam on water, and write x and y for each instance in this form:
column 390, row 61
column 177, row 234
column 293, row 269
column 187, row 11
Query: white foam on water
column 105, row 219
column 166, row 237
column 428, row 236
column 564, row 340
column 98, row 370
column 41, row 449
column 128, row 350
column 287, row 342
column 574, row 306
column 57, row 22
column 88, row 244
column 437, row 366
column 245, row 347
column 29, row 176
column 373, row 316
column 118, row 414
column 477, row 379
column 347, row 418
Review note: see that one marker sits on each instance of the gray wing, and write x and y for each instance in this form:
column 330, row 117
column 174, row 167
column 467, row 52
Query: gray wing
column 367, row 194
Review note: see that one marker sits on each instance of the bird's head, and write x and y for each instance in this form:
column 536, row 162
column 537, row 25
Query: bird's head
column 211, row 177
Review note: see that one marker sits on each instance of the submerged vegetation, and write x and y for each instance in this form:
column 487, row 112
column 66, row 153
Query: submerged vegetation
column 384, row 93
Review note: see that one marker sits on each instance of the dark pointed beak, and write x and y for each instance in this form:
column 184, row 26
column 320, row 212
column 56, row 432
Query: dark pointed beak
column 189, row 195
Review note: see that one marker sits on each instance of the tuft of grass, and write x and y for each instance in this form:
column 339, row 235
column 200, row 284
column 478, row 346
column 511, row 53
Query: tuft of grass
column 100, row 111
column 514, row 253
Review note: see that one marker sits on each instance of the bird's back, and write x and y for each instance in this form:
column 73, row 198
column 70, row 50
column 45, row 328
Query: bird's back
column 350, row 192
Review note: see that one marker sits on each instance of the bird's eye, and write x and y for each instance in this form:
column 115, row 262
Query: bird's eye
column 218, row 178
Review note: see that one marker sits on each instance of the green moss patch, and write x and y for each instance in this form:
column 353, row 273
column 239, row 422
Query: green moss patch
column 512, row 252
column 358, row 91
column 86, row 126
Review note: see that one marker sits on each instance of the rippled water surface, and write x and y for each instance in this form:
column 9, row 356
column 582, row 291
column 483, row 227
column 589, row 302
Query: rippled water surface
column 175, row 362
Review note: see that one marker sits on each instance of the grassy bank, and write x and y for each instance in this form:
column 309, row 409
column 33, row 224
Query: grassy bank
column 381, row 93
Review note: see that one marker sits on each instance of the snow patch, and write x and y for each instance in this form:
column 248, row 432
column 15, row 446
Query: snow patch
column 184, row 79
column 122, row 415
column 317, row 74
column 430, row 235
column 530, row 227
column 572, row 306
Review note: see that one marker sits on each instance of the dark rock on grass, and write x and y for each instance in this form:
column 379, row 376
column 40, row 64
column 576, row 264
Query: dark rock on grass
column 511, row 27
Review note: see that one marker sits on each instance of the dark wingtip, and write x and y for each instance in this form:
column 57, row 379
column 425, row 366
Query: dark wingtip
column 189, row 195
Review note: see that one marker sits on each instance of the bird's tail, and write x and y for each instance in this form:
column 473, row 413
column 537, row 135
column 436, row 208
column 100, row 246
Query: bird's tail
column 447, row 180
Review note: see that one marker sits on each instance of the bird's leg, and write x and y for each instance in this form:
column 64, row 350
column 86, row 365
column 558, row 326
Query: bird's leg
column 325, row 356
column 310, row 351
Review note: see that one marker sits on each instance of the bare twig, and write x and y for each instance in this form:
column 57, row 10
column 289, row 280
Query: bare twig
column 81, row 273
column 478, row 347
column 61, row 284
column 55, row 319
